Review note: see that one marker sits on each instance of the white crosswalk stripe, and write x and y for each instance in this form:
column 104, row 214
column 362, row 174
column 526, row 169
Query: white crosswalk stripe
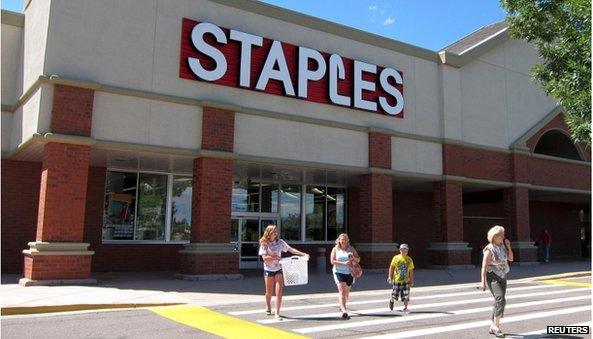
column 422, row 306
column 433, row 315
column 482, row 323
column 434, row 311
column 386, row 294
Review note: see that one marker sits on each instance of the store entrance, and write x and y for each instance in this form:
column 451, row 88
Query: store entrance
column 246, row 230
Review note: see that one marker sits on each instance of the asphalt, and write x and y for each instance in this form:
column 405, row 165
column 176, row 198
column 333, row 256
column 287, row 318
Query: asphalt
column 124, row 290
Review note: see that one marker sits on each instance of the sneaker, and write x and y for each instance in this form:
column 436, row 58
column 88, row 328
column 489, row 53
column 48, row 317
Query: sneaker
column 391, row 304
column 406, row 311
column 268, row 312
column 277, row 317
column 345, row 316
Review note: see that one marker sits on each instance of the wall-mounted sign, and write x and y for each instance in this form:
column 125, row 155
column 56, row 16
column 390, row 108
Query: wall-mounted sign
column 233, row 58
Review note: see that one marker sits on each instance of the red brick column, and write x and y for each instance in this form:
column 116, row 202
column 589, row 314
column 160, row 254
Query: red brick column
column 451, row 251
column 516, row 212
column 58, row 254
column 374, row 234
column 210, row 253
column 375, row 231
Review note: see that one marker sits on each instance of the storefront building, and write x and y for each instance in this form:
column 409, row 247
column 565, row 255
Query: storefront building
column 166, row 135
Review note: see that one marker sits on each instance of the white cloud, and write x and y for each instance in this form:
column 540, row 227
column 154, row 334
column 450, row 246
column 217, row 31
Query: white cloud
column 388, row 21
column 373, row 7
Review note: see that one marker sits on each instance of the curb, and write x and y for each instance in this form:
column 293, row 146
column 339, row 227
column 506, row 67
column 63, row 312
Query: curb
column 77, row 307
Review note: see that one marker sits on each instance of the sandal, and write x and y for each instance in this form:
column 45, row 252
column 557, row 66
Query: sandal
column 497, row 333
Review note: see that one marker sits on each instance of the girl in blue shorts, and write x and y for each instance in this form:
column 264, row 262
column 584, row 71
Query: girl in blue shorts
column 342, row 256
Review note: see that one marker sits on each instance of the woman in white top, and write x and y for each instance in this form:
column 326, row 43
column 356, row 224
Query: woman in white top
column 494, row 271
column 342, row 257
column 271, row 248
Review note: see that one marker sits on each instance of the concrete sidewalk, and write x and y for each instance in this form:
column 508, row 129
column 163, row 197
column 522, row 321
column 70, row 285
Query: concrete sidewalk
column 142, row 289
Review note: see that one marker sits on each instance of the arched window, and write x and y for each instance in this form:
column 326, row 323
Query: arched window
column 557, row 144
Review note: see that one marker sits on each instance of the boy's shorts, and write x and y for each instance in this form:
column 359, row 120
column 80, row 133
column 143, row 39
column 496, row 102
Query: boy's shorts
column 401, row 290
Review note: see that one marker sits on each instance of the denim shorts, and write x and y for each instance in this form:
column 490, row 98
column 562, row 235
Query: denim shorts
column 270, row 274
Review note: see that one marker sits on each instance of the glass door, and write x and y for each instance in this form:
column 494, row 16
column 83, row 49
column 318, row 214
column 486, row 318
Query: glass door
column 246, row 230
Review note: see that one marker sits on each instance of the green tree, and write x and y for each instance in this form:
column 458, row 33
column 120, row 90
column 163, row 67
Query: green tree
column 561, row 32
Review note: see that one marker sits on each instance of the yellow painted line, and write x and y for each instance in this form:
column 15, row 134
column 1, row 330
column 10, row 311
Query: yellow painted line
column 220, row 324
column 566, row 283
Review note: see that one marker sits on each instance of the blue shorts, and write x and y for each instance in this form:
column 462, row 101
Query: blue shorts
column 343, row 278
column 271, row 274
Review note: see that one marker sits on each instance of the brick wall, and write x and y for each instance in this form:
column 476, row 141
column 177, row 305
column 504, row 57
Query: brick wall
column 476, row 163
column 480, row 217
column 352, row 209
column 49, row 267
column 218, row 129
column 546, row 172
column 448, row 208
column 379, row 150
column 509, row 167
column 375, row 209
column 562, row 222
column 20, row 202
column 211, row 200
column 413, row 223
column 72, row 110
column 516, row 212
column 62, row 192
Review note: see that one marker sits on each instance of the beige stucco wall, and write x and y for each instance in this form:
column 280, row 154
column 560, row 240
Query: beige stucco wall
column 147, row 122
column 274, row 138
column 416, row 156
column 6, row 131
column 36, row 40
column 12, row 37
column 135, row 44
column 499, row 100
column 34, row 116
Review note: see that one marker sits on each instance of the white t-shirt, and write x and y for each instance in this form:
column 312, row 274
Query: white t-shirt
column 273, row 248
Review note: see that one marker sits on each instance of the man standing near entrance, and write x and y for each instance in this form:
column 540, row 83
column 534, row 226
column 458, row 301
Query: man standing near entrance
column 545, row 240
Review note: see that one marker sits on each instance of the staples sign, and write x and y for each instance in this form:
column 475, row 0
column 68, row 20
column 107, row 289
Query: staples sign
column 238, row 59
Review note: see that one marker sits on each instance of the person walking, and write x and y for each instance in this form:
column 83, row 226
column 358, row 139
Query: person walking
column 342, row 257
column 401, row 275
column 495, row 267
column 271, row 248
column 544, row 241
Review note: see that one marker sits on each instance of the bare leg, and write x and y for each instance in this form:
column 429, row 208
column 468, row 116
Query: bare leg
column 269, row 290
column 346, row 295
column 342, row 299
column 279, row 290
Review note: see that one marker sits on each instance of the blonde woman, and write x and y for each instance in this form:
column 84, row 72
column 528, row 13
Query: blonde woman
column 342, row 257
column 495, row 267
column 270, row 249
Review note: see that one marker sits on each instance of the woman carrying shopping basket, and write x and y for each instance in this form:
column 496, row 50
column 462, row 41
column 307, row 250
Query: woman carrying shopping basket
column 343, row 256
column 270, row 249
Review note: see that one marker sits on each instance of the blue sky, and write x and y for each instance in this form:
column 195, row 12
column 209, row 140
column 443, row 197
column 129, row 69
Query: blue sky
column 431, row 24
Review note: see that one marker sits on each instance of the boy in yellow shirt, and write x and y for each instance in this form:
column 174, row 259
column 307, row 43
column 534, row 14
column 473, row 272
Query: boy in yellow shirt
column 401, row 275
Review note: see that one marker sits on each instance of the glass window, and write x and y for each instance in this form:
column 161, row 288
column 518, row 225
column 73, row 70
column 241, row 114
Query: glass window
column 181, row 208
column 336, row 202
column 152, row 197
column 290, row 212
column 269, row 198
column 120, row 204
column 315, row 213
column 245, row 197
column 234, row 230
